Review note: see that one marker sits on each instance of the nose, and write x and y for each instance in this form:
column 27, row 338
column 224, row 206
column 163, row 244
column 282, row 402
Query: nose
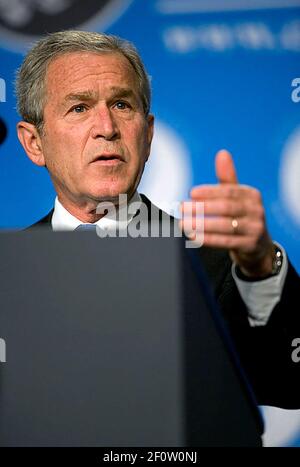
column 105, row 125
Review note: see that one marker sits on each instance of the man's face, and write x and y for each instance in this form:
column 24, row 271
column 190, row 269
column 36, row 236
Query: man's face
column 96, row 138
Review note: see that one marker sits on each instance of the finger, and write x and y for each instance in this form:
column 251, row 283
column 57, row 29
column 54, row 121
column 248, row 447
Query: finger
column 216, row 207
column 203, row 192
column 240, row 243
column 192, row 229
column 223, row 225
column 192, row 208
column 230, row 242
column 224, row 207
column 225, row 169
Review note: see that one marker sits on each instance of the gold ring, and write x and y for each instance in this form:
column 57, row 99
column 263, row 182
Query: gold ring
column 235, row 225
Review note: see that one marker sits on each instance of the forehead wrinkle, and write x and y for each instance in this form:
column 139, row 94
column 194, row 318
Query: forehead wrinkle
column 129, row 86
column 121, row 90
column 88, row 71
column 85, row 68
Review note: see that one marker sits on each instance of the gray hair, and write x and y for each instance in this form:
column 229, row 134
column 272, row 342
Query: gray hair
column 31, row 82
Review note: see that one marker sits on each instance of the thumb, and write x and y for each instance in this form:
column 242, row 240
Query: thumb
column 225, row 169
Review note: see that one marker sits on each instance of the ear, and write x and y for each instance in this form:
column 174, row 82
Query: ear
column 31, row 141
column 150, row 132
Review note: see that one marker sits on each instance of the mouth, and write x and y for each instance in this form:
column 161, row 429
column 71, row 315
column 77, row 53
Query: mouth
column 108, row 159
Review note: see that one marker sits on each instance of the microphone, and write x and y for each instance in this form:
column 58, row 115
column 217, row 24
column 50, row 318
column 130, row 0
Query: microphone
column 3, row 131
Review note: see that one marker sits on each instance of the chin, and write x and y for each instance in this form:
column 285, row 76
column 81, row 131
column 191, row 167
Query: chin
column 110, row 193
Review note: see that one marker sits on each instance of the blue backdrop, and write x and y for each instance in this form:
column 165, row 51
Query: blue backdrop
column 224, row 75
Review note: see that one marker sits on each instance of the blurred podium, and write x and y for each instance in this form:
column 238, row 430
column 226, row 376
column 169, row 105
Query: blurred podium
column 115, row 342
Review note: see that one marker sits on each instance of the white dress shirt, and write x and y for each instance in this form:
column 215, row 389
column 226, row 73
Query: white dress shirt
column 260, row 297
column 63, row 220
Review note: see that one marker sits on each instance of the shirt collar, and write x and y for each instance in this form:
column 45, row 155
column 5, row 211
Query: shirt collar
column 63, row 220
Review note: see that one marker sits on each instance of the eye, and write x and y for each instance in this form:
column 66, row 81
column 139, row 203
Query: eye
column 78, row 109
column 121, row 105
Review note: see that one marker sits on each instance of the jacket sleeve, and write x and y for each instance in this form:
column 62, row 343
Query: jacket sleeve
column 266, row 351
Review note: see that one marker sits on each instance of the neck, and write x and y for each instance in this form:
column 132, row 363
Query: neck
column 89, row 211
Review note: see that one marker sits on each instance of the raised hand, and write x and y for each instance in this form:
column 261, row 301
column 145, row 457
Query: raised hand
column 234, row 219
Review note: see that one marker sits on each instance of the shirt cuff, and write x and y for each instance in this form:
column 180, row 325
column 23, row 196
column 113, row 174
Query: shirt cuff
column 262, row 296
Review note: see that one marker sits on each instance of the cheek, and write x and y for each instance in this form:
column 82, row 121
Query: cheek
column 62, row 148
column 138, row 144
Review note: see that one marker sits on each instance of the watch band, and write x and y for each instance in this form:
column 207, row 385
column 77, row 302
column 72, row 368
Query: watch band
column 276, row 267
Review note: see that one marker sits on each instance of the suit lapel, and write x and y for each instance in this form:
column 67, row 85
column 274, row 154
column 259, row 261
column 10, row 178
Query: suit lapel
column 45, row 222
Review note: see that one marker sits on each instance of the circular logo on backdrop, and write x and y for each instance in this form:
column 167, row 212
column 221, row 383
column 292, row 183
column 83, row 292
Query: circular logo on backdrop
column 290, row 175
column 168, row 172
column 23, row 21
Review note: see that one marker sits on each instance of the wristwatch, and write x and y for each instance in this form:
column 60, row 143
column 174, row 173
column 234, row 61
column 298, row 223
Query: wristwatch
column 276, row 267
column 277, row 261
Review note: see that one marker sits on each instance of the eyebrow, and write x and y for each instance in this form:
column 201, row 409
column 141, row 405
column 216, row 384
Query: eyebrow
column 80, row 96
column 90, row 95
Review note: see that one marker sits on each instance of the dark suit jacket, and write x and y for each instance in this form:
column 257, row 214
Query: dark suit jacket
column 265, row 351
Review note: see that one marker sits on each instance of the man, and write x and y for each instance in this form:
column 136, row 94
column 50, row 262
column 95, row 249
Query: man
column 85, row 102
